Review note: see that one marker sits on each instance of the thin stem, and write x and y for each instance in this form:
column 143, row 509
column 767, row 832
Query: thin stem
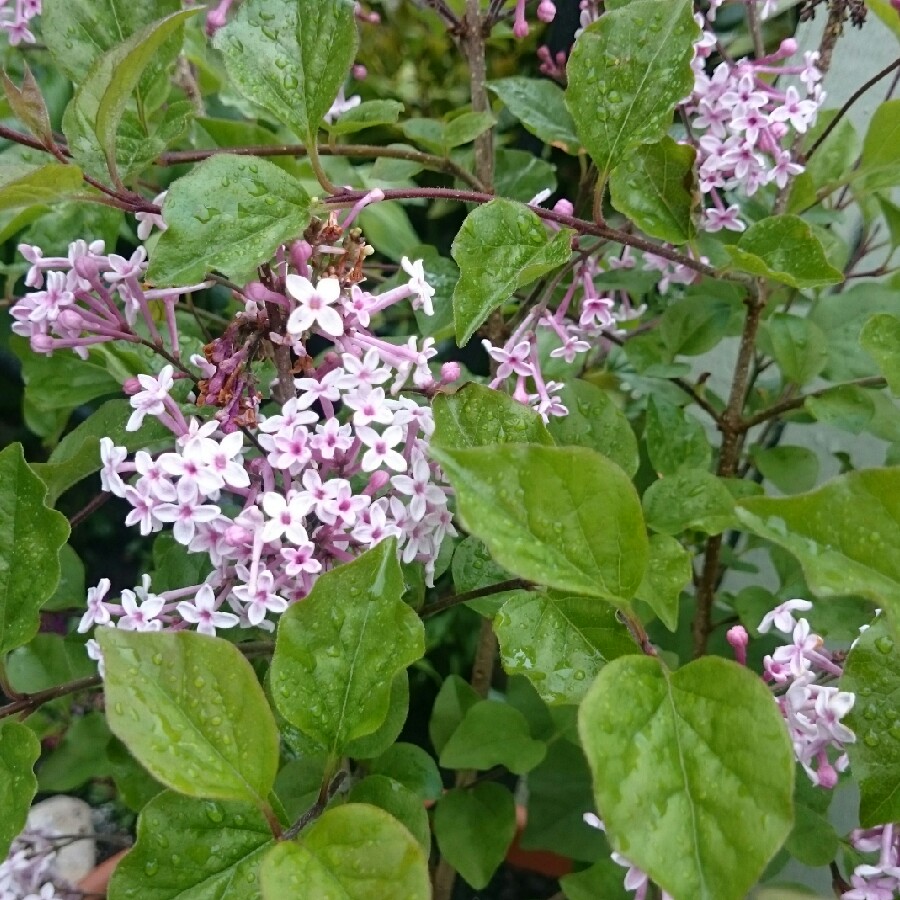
column 754, row 25
column 88, row 509
column 27, row 703
column 785, row 406
column 359, row 151
column 513, row 584
column 326, row 792
column 321, row 175
column 850, row 101
column 580, row 225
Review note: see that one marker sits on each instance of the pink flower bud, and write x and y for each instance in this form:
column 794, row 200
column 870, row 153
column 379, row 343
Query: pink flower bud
column 131, row 386
column 546, row 11
column 896, row 5
column 450, row 372
column 788, row 47
column 377, row 481
column 69, row 319
column 739, row 639
column 564, row 207
column 359, row 72
column 42, row 343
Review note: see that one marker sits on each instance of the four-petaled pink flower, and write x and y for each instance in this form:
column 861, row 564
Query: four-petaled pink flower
column 315, row 305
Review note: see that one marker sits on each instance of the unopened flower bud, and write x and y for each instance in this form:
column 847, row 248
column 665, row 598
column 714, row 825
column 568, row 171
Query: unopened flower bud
column 131, row 386
column 359, row 72
column 546, row 11
column 377, row 481
column 564, row 207
column 739, row 639
column 42, row 343
column 788, row 47
column 450, row 372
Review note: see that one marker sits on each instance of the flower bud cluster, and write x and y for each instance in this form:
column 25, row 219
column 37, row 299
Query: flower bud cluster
column 275, row 492
column 744, row 127
column 880, row 878
column 813, row 711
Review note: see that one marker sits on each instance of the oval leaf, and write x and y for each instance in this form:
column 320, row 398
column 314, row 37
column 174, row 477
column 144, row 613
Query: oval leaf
column 539, row 104
column 30, row 542
column 353, row 852
column 192, row 850
column 190, row 709
column 626, row 73
column 19, row 751
column 565, row 517
column 338, row 651
column 688, row 793
column 230, row 213
column 501, row 247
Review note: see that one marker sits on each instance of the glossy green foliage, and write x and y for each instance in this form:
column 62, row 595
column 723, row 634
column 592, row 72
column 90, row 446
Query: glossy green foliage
column 691, row 499
column 353, row 852
column 675, row 439
column 229, row 213
column 655, row 187
column 19, row 750
column 688, row 793
column 30, row 542
column 626, row 73
column 559, row 642
column 784, row 249
column 880, row 338
column 501, row 247
column 290, row 58
column 539, row 105
column 192, row 850
column 474, row 828
column 564, row 517
column 24, row 185
column 845, row 534
column 338, row 651
column 872, row 674
column 191, row 710
column 476, row 416
column 668, row 574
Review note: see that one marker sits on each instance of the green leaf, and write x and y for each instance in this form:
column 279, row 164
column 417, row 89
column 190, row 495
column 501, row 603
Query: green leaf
column 501, row 247
column 792, row 470
column 668, row 573
column 872, row 674
column 79, row 756
column 559, row 642
column 190, row 709
column 92, row 119
column 353, row 852
column 388, row 731
column 19, row 750
column 627, row 72
column 474, row 828
column 695, row 324
column 690, row 499
column 594, row 421
column 399, row 801
column 47, row 661
column 366, row 115
column 193, row 850
column 339, row 650
column 25, row 184
column 440, row 137
column 798, row 345
column 30, row 541
column 520, row 176
column 675, row 440
column 813, row 841
column 539, row 104
column 655, row 187
column 784, row 249
column 78, row 32
column 455, row 698
column 688, row 793
column 491, row 734
column 473, row 568
column 879, row 166
column 880, row 338
column 846, row 534
column 290, row 58
column 603, row 879
column 27, row 103
column 477, row 416
column 887, row 12
column 565, row 517
column 412, row 767
column 559, row 793
column 848, row 407
column 77, row 455
column 229, row 213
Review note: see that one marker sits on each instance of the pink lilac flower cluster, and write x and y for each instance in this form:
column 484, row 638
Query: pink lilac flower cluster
column 743, row 126
column 271, row 493
column 636, row 879
column 28, row 873
column 812, row 710
column 879, row 879
column 15, row 18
